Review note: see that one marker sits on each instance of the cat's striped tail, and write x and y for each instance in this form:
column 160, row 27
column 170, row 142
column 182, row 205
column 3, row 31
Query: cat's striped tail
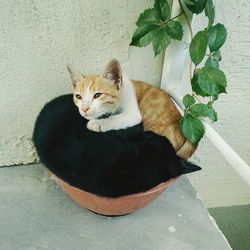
column 186, row 150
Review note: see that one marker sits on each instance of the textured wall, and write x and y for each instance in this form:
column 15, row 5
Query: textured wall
column 217, row 183
column 38, row 38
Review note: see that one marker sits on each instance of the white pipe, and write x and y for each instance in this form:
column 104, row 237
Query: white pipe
column 239, row 165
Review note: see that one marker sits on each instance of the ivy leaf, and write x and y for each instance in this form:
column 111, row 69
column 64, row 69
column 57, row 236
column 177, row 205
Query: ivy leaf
column 198, row 46
column 203, row 110
column 195, row 84
column 209, row 12
column 195, row 6
column 174, row 30
column 217, row 36
column 209, row 82
column 192, row 128
column 213, row 115
column 217, row 55
column 147, row 17
column 162, row 10
column 144, row 35
column 211, row 62
column 199, row 110
column 188, row 100
column 215, row 97
column 161, row 41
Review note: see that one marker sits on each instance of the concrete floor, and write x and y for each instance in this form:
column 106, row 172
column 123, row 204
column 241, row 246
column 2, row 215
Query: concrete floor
column 36, row 214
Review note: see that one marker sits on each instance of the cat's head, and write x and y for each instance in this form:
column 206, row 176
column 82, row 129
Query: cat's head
column 97, row 95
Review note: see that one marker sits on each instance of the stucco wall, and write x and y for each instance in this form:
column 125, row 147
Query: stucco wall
column 217, row 183
column 38, row 38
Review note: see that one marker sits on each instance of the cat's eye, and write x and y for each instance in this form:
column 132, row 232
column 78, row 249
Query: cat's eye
column 97, row 95
column 79, row 97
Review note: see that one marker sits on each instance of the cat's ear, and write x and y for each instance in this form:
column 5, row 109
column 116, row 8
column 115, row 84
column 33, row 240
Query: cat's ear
column 74, row 74
column 113, row 72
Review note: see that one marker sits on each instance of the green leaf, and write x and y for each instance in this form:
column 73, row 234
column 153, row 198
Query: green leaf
column 174, row 30
column 209, row 12
column 192, row 128
column 213, row 115
column 217, row 55
column 188, row 100
column 215, row 97
column 161, row 41
column 198, row 46
column 203, row 110
column 195, row 84
column 162, row 10
column 144, row 35
column 200, row 110
column 211, row 62
column 217, row 36
column 195, row 6
column 209, row 82
column 147, row 17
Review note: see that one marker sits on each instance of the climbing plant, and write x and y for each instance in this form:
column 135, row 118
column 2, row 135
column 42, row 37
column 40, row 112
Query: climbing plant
column 207, row 80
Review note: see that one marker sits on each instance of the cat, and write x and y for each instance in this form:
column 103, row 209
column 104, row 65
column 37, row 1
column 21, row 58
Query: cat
column 160, row 115
column 110, row 164
column 111, row 101
column 108, row 100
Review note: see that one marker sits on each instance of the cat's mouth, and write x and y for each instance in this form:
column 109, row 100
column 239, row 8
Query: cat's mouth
column 97, row 116
column 84, row 115
column 87, row 116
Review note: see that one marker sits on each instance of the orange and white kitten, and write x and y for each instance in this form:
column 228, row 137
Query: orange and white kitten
column 114, row 96
column 108, row 100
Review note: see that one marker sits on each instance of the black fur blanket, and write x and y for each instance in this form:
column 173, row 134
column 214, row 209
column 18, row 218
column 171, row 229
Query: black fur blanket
column 110, row 164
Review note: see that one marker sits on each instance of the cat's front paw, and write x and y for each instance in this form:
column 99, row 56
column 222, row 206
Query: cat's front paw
column 107, row 125
column 94, row 125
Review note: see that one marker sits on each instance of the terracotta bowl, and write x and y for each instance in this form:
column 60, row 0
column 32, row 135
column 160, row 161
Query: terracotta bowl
column 112, row 206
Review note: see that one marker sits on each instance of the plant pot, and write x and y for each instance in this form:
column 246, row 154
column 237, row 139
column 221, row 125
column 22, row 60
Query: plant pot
column 112, row 206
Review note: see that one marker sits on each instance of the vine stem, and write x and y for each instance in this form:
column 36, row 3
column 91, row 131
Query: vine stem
column 163, row 23
column 191, row 36
column 196, row 97
column 190, row 32
column 187, row 20
column 182, row 12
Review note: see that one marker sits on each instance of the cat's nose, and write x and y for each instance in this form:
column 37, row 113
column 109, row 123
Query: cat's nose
column 85, row 109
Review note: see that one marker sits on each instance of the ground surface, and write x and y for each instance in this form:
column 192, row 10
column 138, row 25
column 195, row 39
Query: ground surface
column 36, row 214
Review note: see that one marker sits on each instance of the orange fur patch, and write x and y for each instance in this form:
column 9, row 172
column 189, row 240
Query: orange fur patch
column 98, row 84
column 160, row 115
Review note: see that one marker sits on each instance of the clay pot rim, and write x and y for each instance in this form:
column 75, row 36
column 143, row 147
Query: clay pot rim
column 157, row 188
